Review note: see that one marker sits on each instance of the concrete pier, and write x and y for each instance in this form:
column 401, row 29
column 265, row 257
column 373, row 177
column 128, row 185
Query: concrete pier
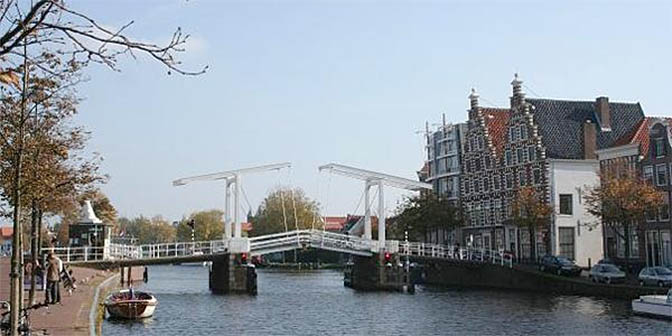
column 376, row 273
column 231, row 274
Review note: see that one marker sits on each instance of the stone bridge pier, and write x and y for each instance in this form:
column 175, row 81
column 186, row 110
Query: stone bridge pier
column 231, row 274
column 379, row 272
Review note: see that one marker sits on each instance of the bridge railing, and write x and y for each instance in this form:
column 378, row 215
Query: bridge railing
column 324, row 239
column 456, row 253
column 312, row 238
column 166, row 250
column 80, row 253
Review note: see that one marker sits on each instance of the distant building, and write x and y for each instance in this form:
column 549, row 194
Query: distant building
column 443, row 159
column 6, row 234
column 547, row 144
column 334, row 223
column 442, row 170
column 647, row 150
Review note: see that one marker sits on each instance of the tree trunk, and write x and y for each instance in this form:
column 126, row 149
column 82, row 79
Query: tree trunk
column 16, row 267
column 533, row 243
column 626, row 238
column 33, row 251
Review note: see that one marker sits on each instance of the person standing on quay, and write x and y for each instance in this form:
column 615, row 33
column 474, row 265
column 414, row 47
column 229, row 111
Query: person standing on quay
column 53, row 294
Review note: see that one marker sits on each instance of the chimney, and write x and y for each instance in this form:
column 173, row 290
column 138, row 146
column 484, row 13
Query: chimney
column 473, row 99
column 518, row 94
column 602, row 107
column 589, row 141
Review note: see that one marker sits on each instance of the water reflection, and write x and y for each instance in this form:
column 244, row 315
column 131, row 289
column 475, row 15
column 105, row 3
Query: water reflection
column 315, row 302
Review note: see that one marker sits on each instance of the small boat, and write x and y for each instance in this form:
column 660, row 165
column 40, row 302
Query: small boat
column 654, row 305
column 130, row 304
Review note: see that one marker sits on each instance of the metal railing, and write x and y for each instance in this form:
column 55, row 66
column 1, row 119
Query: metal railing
column 82, row 253
column 279, row 242
column 309, row 238
column 456, row 253
column 147, row 251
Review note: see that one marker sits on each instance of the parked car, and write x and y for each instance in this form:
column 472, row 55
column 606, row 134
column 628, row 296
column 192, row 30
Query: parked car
column 655, row 276
column 607, row 273
column 559, row 265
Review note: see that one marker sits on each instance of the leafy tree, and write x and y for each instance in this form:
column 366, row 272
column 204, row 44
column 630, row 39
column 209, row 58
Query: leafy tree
column 208, row 225
column 621, row 202
column 44, row 34
column 285, row 209
column 421, row 214
column 532, row 212
column 153, row 230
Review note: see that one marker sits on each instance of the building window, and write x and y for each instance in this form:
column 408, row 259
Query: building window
column 648, row 174
column 537, row 176
column 487, row 163
column 651, row 216
column 520, row 155
column 523, row 132
column 531, row 153
column 565, row 204
column 507, row 157
column 495, row 182
column 511, row 134
column 659, row 147
column 509, row 181
column 486, row 184
column 522, row 178
column 661, row 174
column 566, row 242
column 664, row 213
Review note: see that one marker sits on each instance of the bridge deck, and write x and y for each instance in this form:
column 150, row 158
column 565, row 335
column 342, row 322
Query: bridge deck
column 169, row 253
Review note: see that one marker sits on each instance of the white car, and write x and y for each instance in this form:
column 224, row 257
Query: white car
column 606, row 273
column 655, row 276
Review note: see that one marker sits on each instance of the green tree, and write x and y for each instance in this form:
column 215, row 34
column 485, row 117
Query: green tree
column 421, row 214
column 621, row 201
column 208, row 225
column 51, row 28
column 153, row 230
column 285, row 209
column 531, row 212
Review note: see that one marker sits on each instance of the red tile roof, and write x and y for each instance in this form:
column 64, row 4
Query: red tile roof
column 6, row 232
column 496, row 121
column 640, row 134
column 333, row 223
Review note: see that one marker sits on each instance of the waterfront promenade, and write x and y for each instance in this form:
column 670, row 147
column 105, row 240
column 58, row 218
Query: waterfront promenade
column 71, row 317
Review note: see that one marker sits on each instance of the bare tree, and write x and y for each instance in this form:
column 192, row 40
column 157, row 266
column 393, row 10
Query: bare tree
column 43, row 37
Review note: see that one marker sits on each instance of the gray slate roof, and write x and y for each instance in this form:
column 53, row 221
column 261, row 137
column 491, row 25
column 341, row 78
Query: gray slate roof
column 560, row 124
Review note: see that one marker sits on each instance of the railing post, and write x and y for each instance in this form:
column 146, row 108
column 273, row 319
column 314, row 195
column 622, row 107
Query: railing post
column 86, row 253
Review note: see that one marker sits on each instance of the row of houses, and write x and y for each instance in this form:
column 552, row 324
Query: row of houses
column 556, row 146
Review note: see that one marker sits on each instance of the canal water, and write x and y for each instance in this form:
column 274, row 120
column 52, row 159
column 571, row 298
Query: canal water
column 316, row 303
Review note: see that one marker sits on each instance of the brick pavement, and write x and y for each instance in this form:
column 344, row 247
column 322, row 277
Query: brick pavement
column 71, row 317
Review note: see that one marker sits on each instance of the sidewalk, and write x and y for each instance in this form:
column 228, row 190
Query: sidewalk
column 71, row 317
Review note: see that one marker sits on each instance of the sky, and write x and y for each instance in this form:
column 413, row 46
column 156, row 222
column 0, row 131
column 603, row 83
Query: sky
column 351, row 82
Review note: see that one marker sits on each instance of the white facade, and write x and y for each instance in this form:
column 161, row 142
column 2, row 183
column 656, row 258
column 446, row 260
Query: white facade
column 574, row 232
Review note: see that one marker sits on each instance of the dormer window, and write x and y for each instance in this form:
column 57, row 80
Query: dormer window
column 658, row 147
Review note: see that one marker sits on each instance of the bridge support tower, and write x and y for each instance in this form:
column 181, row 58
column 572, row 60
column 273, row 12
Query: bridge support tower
column 231, row 274
column 380, row 272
